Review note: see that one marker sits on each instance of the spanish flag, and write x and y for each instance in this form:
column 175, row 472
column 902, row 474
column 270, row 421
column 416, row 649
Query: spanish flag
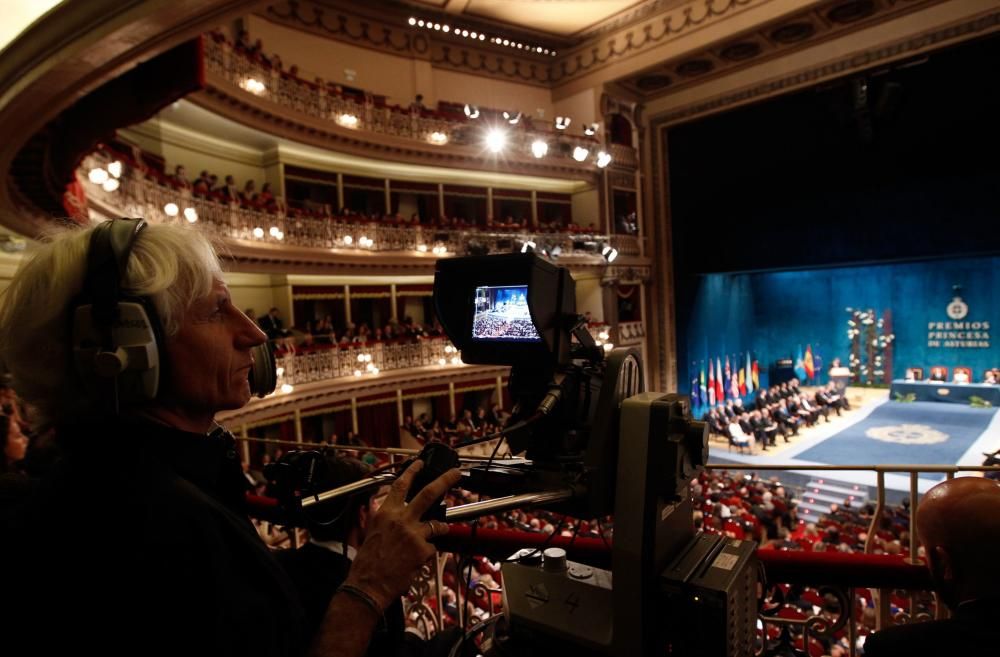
column 808, row 362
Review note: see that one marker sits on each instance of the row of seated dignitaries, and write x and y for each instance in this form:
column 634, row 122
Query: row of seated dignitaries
column 178, row 568
column 781, row 409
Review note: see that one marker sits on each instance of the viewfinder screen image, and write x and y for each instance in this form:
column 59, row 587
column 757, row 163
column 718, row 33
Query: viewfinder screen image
column 501, row 313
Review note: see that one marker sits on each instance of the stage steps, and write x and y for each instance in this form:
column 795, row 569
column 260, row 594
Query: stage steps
column 821, row 492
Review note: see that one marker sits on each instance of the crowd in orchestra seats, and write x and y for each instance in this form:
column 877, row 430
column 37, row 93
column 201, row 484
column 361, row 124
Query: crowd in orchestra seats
column 226, row 191
column 495, row 325
column 781, row 410
column 745, row 506
column 253, row 49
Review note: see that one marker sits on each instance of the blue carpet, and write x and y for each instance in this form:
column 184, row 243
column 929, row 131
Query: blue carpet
column 896, row 432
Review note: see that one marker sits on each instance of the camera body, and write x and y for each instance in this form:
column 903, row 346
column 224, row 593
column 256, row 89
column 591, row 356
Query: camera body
column 585, row 423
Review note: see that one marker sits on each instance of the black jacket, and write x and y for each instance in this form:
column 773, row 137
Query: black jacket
column 137, row 543
column 972, row 631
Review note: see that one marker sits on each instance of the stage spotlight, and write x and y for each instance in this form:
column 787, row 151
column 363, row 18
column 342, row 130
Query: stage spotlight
column 528, row 247
column 111, row 184
column 420, row 23
column 191, row 215
column 512, row 117
column 591, row 129
column 609, row 253
column 115, row 169
column 412, row 21
column 580, row 153
column 445, row 28
column 171, row 209
column 562, row 122
column 496, row 140
column 603, row 159
column 482, row 37
column 422, row 248
column 348, row 240
column 258, row 232
column 98, row 176
column 437, row 138
column 539, row 148
column 471, row 111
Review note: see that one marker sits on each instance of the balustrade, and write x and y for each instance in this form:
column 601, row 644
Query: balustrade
column 246, row 75
column 137, row 196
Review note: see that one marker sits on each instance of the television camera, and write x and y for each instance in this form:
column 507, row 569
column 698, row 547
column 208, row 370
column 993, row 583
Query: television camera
column 594, row 443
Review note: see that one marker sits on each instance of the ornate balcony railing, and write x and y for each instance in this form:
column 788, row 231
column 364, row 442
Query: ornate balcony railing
column 627, row 245
column 356, row 360
column 137, row 196
column 838, row 587
column 624, row 156
column 248, row 76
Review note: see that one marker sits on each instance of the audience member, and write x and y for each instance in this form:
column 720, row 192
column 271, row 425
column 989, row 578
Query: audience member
column 959, row 526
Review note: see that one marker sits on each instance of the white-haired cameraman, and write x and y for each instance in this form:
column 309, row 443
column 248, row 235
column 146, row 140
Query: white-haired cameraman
column 124, row 337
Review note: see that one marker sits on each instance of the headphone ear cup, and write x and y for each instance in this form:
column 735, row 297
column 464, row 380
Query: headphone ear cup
column 134, row 356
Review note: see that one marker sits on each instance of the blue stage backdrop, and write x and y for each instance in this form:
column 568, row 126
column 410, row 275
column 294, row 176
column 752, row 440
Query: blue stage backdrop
column 773, row 314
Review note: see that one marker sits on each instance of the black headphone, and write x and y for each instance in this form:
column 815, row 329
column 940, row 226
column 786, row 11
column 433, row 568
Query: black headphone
column 118, row 340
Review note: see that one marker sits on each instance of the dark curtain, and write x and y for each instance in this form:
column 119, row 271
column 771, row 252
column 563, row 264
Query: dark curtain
column 378, row 424
column 442, row 412
column 342, row 424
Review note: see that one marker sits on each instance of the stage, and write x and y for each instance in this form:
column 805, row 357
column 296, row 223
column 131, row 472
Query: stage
column 882, row 431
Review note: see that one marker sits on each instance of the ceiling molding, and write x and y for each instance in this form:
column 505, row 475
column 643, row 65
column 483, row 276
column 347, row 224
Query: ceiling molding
column 827, row 21
column 908, row 47
column 397, row 38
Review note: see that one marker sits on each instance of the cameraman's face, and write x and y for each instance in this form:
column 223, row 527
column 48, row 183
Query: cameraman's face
column 209, row 357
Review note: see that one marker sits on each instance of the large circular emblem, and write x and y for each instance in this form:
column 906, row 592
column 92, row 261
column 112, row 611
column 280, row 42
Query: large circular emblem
column 958, row 309
column 908, row 434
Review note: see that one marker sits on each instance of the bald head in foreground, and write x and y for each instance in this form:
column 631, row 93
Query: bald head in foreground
column 958, row 522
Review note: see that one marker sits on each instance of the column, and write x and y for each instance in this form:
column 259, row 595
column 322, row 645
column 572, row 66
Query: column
column 347, row 303
column 245, row 432
column 298, row 425
column 354, row 414
column 645, row 331
column 500, row 389
column 451, row 396
column 340, row 192
column 392, row 302
column 399, row 405
column 534, row 209
column 388, row 197
column 440, row 199
column 489, row 202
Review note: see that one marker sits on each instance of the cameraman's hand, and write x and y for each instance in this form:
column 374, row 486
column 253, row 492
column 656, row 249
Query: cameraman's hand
column 396, row 543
